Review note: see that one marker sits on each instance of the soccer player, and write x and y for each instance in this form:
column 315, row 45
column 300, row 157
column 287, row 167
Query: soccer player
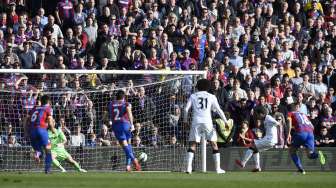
column 120, row 114
column 263, row 144
column 202, row 103
column 303, row 136
column 40, row 118
column 58, row 151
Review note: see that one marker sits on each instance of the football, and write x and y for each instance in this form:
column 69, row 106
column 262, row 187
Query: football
column 142, row 157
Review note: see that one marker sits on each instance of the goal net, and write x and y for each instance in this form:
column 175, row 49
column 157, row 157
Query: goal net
column 79, row 100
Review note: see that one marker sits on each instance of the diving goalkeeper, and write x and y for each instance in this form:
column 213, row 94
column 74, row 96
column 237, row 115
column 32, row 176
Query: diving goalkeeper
column 58, row 151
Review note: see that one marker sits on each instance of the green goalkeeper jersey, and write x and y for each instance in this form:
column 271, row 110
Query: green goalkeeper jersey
column 56, row 138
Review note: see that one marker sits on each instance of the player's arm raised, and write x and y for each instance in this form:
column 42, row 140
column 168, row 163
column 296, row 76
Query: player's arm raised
column 130, row 116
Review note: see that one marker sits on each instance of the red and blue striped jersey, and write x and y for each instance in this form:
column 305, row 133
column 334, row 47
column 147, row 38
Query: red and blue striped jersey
column 117, row 111
column 66, row 9
column 39, row 116
column 300, row 122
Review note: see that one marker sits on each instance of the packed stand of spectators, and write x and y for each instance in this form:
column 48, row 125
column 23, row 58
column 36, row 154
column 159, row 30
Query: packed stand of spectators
column 268, row 53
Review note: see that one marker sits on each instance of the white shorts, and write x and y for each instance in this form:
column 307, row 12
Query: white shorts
column 263, row 144
column 199, row 130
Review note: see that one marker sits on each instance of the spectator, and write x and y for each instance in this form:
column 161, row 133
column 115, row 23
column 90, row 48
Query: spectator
column 5, row 133
column 109, row 50
column 137, row 142
column 144, row 107
column 320, row 87
column 105, row 137
column 12, row 141
column 65, row 13
column 245, row 137
column 173, row 141
column 77, row 138
column 79, row 16
column 258, row 130
column 306, row 87
column 92, row 142
column 174, row 118
column 220, row 93
column 236, row 89
column 154, row 139
column 235, row 59
column 53, row 28
column 91, row 30
column 324, row 139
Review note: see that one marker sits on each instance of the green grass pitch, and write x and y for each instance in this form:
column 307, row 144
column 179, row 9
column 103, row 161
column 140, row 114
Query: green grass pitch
column 171, row 180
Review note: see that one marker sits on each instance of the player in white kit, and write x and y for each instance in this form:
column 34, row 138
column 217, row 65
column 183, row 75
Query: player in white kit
column 202, row 104
column 267, row 142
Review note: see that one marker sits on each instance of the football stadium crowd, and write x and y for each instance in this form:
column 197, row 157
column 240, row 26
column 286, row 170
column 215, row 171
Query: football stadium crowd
column 268, row 53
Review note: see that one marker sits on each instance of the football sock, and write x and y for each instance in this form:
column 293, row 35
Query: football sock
column 190, row 157
column 76, row 165
column 129, row 159
column 216, row 158
column 48, row 161
column 321, row 158
column 129, row 154
column 58, row 164
column 248, row 155
column 297, row 161
column 256, row 157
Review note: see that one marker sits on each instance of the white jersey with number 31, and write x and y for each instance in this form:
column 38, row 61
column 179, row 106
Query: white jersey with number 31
column 202, row 104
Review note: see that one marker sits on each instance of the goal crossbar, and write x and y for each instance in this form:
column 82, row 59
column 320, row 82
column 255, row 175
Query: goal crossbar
column 132, row 72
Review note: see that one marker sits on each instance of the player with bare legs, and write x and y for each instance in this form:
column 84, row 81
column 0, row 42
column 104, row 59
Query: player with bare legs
column 202, row 104
column 265, row 143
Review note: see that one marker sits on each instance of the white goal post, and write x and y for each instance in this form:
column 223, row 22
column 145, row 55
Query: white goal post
column 164, row 78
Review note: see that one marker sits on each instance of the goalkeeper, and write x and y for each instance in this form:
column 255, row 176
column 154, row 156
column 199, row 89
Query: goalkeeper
column 58, row 151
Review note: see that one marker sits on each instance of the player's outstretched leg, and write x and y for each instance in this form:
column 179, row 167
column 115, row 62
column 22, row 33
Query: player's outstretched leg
column 247, row 156
column 75, row 164
column 130, row 156
column 311, row 150
column 58, row 164
column 256, row 157
column 296, row 159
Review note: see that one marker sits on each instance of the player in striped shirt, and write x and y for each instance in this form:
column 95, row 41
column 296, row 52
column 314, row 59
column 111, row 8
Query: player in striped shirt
column 120, row 114
column 40, row 119
column 303, row 136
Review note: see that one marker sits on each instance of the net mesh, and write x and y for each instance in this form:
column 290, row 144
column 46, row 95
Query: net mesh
column 79, row 103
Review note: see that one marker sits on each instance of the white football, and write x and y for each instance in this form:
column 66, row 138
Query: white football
column 143, row 157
